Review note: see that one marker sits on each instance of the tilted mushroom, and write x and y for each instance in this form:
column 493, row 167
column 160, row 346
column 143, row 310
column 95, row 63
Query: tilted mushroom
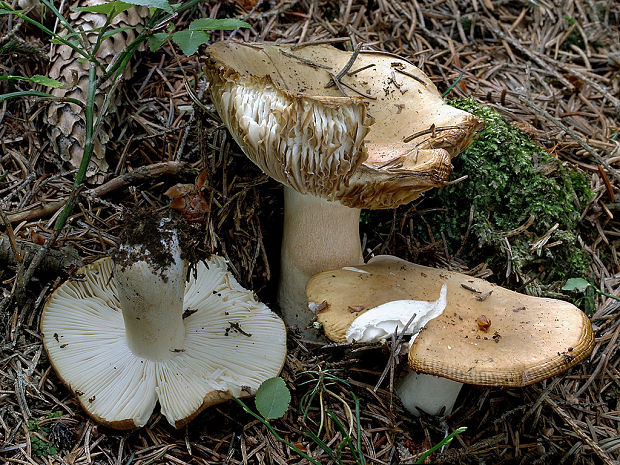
column 283, row 109
column 474, row 332
column 124, row 336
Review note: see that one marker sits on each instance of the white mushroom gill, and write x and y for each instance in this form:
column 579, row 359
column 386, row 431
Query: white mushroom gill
column 84, row 335
column 230, row 344
column 301, row 142
column 233, row 343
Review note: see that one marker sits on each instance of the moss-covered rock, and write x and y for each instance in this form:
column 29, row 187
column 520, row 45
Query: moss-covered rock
column 510, row 178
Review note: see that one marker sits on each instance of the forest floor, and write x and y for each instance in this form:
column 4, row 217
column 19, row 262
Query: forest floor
column 550, row 68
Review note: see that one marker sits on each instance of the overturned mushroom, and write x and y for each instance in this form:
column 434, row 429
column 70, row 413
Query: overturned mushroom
column 283, row 109
column 528, row 338
column 123, row 337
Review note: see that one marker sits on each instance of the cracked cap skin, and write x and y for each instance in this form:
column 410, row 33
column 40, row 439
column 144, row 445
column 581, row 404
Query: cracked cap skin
column 389, row 139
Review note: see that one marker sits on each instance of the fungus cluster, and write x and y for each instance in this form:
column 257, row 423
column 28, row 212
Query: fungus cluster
column 342, row 132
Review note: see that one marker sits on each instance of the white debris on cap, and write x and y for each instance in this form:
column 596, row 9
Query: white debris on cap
column 381, row 322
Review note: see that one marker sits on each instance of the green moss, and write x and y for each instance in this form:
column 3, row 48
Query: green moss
column 510, row 179
column 466, row 22
column 574, row 38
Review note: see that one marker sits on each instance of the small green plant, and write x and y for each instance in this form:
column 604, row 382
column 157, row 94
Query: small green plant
column 40, row 447
column 445, row 441
column 33, row 425
column 319, row 378
column 365, row 218
column 272, row 402
column 273, row 399
column 588, row 289
column 573, row 38
column 320, row 381
column 581, row 285
column 161, row 19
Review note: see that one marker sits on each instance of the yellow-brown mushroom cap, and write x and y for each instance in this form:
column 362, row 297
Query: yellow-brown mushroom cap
column 529, row 338
column 275, row 102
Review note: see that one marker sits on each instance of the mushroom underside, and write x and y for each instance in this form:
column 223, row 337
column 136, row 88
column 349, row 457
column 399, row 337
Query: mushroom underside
column 231, row 345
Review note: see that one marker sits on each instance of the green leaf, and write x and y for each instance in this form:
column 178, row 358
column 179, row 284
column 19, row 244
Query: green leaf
column 110, row 8
column 37, row 79
column 46, row 81
column 211, row 24
column 63, row 41
column 189, row 41
column 272, row 398
column 157, row 40
column 576, row 284
column 32, row 93
column 161, row 4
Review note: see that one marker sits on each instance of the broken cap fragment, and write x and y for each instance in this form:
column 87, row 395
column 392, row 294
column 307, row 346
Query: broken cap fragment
column 529, row 338
column 390, row 138
column 397, row 316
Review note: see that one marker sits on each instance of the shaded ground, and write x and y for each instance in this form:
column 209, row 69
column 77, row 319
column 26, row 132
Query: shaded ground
column 548, row 68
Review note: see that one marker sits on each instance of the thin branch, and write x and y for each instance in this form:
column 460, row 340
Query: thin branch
column 346, row 68
column 587, row 147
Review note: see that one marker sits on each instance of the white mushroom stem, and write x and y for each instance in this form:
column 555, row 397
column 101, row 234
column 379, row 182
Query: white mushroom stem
column 152, row 302
column 318, row 235
column 427, row 393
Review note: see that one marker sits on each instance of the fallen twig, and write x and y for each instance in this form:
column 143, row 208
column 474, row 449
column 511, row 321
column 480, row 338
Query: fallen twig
column 138, row 175
column 345, row 69
column 55, row 261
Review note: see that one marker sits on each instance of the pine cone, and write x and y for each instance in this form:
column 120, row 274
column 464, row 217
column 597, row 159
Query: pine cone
column 66, row 122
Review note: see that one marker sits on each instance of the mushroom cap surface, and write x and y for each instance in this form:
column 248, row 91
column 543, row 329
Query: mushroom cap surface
column 232, row 344
column 275, row 102
column 528, row 339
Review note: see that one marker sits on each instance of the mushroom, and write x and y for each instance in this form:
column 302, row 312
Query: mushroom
column 288, row 111
column 124, row 336
column 474, row 333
